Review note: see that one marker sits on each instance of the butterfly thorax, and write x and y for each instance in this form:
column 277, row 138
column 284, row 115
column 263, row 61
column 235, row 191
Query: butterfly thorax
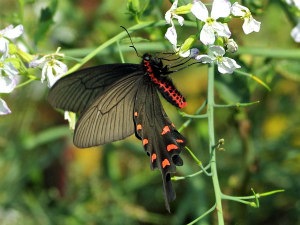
column 157, row 73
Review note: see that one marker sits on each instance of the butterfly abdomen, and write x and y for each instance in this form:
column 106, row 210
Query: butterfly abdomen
column 163, row 83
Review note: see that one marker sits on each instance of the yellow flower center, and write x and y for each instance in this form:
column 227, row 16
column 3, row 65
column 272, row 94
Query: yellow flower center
column 248, row 15
column 210, row 21
column 219, row 58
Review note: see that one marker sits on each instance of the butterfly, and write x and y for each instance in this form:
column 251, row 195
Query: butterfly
column 118, row 100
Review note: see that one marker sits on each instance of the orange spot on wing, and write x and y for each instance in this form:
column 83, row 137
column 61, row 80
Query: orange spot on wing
column 139, row 127
column 171, row 147
column 173, row 125
column 165, row 163
column 153, row 157
column 179, row 140
column 166, row 129
column 135, row 114
column 145, row 141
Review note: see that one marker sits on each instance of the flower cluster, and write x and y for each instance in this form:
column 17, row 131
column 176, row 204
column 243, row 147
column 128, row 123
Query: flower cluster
column 14, row 62
column 214, row 28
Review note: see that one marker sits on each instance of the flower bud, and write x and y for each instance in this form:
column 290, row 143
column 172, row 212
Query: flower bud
column 231, row 46
column 26, row 57
column 184, row 9
column 188, row 43
column 12, row 49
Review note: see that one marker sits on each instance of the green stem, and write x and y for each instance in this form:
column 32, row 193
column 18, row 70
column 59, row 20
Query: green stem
column 121, row 35
column 186, row 123
column 236, row 105
column 203, row 215
column 210, row 113
column 270, row 52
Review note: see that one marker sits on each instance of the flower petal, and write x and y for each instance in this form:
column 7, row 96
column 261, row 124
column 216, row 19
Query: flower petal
column 239, row 10
column 217, row 50
column 192, row 53
column 295, row 33
column 221, row 29
column 180, row 19
column 10, row 69
column 60, row 67
column 199, row 10
column 171, row 35
column 7, row 84
column 251, row 25
column 227, row 66
column 220, row 8
column 3, row 108
column 14, row 33
column 3, row 45
column 204, row 58
column 207, row 35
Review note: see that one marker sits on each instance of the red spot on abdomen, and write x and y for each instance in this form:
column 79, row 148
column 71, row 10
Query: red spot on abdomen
column 139, row 127
column 165, row 163
column 135, row 114
column 171, row 147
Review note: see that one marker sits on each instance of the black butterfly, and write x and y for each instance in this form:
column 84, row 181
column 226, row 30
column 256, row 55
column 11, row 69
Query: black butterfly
column 117, row 100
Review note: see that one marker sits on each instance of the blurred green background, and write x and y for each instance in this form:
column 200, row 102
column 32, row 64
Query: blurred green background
column 44, row 179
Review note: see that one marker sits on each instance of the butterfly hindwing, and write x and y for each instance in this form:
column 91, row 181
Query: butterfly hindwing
column 109, row 117
column 76, row 91
column 160, row 139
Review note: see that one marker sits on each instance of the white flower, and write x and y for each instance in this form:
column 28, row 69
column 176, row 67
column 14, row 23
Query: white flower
column 250, row 24
column 220, row 8
column 171, row 33
column 231, row 45
column 7, row 75
column 225, row 64
column 53, row 69
column 170, row 14
column 3, row 108
column 7, row 81
column 294, row 2
column 71, row 117
column 10, row 33
column 295, row 33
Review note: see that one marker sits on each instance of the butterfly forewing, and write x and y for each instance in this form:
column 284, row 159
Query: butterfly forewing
column 76, row 91
column 110, row 116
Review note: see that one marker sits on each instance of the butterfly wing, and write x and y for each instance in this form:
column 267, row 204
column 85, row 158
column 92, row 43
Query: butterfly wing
column 76, row 91
column 110, row 116
column 161, row 140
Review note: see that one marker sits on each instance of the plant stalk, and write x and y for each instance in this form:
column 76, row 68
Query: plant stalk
column 212, row 152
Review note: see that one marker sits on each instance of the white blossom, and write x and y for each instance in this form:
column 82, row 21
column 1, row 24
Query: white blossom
column 171, row 33
column 3, row 108
column 220, row 8
column 295, row 33
column 225, row 65
column 294, row 2
column 7, row 75
column 250, row 24
column 10, row 33
column 7, row 81
column 53, row 69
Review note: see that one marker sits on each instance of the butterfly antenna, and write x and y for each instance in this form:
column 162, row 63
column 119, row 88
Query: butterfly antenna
column 132, row 46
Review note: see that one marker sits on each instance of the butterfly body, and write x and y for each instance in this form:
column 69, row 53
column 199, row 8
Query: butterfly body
column 118, row 100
